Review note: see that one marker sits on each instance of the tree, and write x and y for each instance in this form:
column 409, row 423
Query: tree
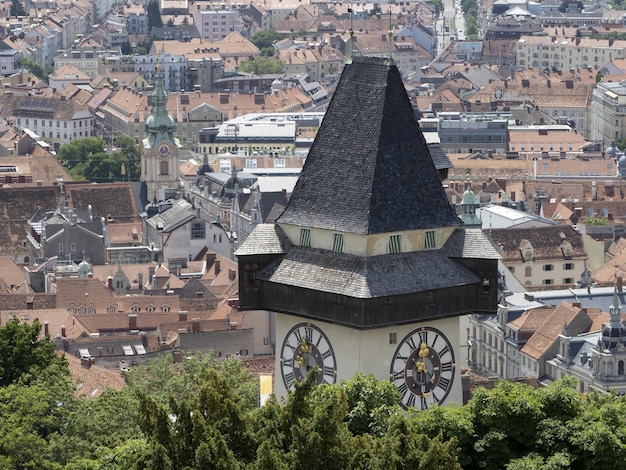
column 265, row 40
column 36, row 69
column 370, row 404
column 154, row 15
column 22, row 351
column 131, row 155
column 262, row 66
column 17, row 9
column 126, row 48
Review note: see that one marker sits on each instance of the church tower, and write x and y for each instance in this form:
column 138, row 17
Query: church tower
column 369, row 268
column 160, row 149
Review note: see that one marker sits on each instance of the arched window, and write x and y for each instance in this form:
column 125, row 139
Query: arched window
column 529, row 271
column 164, row 168
column 620, row 367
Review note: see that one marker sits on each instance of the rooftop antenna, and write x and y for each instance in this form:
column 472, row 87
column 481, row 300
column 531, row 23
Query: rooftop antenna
column 349, row 61
column 390, row 60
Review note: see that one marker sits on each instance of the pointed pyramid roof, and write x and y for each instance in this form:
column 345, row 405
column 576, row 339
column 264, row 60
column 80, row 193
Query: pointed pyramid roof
column 369, row 170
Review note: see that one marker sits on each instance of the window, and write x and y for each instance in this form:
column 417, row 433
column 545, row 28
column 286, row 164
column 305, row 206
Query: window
column 305, row 237
column 547, row 282
column 486, row 287
column 150, row 308
column 163, row 168
column 338, row 242
column 110, row 309
column 61, row 248
column 528, row 271
column 568, row 266
column 165, row 308
column 198, row 231
column 568, row 280
column 92, row 310
column 395, row 244
column 620, row 367
column 393, row 338
column 548, row 267
column 430, row 240
column 73, row 247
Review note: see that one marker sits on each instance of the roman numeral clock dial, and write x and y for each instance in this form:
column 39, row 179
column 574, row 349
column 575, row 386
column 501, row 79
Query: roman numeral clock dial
column 305, row 347
column 422, row 368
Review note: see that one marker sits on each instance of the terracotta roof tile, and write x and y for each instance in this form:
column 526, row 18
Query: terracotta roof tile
column 92, row 381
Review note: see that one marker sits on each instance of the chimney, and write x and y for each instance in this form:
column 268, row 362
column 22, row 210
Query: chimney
column 140, row 280
column 195, row 325
column 86, row 362
column 217, row 266
column 231, row 274
column 110, row 283
column 46, row 331
column 63, row 331
column 182, row 315
column 132, row 321
column 209, row 257
column 577, row 304
column 620, row 283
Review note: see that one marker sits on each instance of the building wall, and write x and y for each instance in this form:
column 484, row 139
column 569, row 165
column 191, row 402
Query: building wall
column 537, row 273
column 216, row 25
column 369, row 351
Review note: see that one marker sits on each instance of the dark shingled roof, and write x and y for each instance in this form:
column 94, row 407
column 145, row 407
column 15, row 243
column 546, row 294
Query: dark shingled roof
column 470, row 243
column 369, row 169
column 265, row 239
column 367, row 277
column 440, row 157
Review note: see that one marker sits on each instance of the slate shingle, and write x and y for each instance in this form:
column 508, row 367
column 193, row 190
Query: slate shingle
column 370, row 276
column 363, row 174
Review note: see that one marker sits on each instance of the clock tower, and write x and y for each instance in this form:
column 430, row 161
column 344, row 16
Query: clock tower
column 159, row 149
column 369, row 268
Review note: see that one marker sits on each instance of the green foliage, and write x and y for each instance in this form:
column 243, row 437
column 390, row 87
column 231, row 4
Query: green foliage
column 370, row 403
column 265, row 40
column 262, row 66
column 203, row 414
column 154, row 15
column 126, row 48
column 86, row 159
column 22, row 351
column 595, row 221
column 33, row 411
column 33, row 67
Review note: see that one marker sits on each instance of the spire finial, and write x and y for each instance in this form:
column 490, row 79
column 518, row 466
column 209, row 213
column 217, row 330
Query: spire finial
column 351, row 53
column 390, row 60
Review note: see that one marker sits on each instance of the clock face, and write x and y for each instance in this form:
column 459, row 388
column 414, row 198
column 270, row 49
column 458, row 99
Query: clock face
column 164, row 150
column 422, row 368
column 306, row 346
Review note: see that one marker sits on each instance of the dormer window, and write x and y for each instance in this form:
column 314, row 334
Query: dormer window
column 430, row 240
column 305, row 237
column 395, row 244
column 526, row 250
column 566, row 249
column 150, row 308
column 338, row 242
